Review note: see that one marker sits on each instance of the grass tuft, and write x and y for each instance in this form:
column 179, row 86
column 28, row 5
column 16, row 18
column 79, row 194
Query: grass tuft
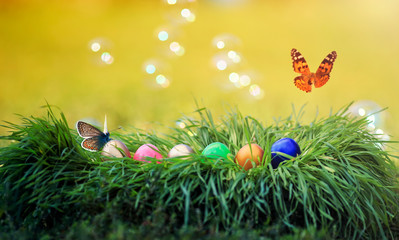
column 343, row 185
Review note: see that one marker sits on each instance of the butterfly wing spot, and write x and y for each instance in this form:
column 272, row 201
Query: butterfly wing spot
column 324, row 70
column 327, row 64
column 301, row 83
column 94, row 144
column 325, row 67
column 319, row 82
column 301, row 67
column 90, row 145
column 299, row 63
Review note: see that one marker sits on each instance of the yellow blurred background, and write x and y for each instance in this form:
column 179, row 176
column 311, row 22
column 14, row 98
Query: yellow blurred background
column 142, row 62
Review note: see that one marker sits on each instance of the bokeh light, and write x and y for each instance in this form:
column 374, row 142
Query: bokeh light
column 180, row 51
column 163, row 36
column 220, row 44
column 375, row 115
column 177, row 48
column 107, row 58
column 221, row 64
column 226, row 41
column 95, row 46
column 382, row 135
column 256, row 91
column 180, row 11
column 150, row 68
column 171, row 2
column 162, row 81
column 227, row 59
column 100, row 49
column 188, row 15
column 372, row 111
column 180, row 124
column 234, row 77
column 224, row 59
column 185, row 13
column 234, row 56
column 156, row 73
column 174, row 46
column 245, row 80
column 361, row 111
column 166, row 32
column 99, row 43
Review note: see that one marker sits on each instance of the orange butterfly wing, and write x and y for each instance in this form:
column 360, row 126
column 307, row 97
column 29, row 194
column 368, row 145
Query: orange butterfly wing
column 299, row 63
column 323, row 72
column 301, row 66
column 301, row 83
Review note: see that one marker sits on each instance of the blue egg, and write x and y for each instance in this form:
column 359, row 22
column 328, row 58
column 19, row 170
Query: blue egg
column 287, row 146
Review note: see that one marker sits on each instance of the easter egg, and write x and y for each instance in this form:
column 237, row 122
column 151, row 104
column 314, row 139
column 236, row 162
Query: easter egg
column 249, row 156
column 115, row 148
column 147, row 150
column 287, row 146
column 216, row 150
column 180, row 150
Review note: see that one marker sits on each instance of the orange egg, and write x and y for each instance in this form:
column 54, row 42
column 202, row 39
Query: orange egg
column 246, row 156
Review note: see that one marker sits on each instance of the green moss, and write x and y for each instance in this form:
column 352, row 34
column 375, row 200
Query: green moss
column 342, row 185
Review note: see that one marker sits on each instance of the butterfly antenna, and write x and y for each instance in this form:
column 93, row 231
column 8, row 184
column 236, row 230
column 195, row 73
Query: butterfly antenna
column 105, row 125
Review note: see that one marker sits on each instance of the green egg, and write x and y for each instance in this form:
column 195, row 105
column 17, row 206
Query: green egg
column 216, row 150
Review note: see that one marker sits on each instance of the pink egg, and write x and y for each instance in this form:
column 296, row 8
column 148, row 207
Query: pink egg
column 147, row 150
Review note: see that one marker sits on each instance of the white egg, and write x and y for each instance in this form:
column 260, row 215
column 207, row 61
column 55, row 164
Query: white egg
column 115, row 148
column 180, row 150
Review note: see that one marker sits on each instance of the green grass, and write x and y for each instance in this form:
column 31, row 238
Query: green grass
column 343, row 185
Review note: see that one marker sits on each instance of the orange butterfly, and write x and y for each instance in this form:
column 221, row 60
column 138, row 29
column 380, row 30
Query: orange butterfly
column 305, row 81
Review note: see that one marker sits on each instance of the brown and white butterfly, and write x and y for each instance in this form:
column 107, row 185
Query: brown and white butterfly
column 307, row 78
column 94, row 139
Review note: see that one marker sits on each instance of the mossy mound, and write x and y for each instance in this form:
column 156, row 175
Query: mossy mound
column 343, row 185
